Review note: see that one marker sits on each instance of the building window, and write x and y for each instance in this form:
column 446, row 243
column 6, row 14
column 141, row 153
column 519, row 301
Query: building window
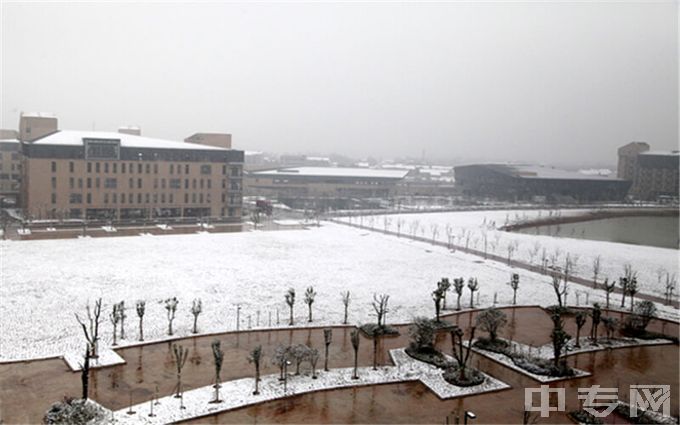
column 54, row 198
column 131, row 167
column 122, row 168
column 106, row 167
column 162, row 183
column 232, row 212
column 80, row 183
column 148, row 198
column 224, row 184
column 114, row 195
column 75, row 198
column 186, row 198
column 235, row 172
column 71, row 183
column 193, row 198
column 139, row 198
column 186, row 183
column 175, row 183
column 54, row 182
column 89, row 167
column 162, row 198
column 155, row 198
column 139, row 168
column 122, row 198
column 70, row 166
column 96, row 183
column 54, row 166
column 171, row 196
column 224, row 198
column 115, row 167
column 131, row 183
column 200, row 198
column 193, row 183
column 96, row 167
column 201, row 183
column 186, row 169
column 224, row 170
column 106, row 198
column 148, row 168
column 89, row 198
column 172, row 168
column 209, row 184
column 206, row 169
column 131, row 198
column 89, row 183
column 111, row 183
column 155, row 168
column 139, row 183
column 155, row 183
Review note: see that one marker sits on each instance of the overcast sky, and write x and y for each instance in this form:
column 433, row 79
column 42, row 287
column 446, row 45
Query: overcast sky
column 561, row 83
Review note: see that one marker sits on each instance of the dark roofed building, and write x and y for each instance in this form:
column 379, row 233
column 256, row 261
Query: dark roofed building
column 517, row 182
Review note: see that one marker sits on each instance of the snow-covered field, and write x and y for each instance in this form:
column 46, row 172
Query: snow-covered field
column 471, row 227
column 45, row 282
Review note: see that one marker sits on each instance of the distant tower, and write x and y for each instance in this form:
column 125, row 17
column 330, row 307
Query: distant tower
column 34, row 125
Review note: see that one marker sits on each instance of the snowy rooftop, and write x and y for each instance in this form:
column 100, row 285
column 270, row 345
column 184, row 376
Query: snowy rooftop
column 531, row 171
column 38, row 114
column 9, row 141
column 75, row 138
column 334, row 172
column 660, row 153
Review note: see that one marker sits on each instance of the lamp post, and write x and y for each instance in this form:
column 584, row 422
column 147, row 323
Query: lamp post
column 469, row 414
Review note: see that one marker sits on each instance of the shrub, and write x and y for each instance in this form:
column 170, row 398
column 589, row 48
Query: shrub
column 74, row 411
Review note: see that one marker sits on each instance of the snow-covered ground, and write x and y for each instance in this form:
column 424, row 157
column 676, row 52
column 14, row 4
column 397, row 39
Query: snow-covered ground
column 471, row 227
column 43, row 283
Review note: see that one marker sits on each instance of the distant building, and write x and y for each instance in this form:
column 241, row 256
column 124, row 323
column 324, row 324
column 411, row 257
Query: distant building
column 219, row 140
column 10, row 171
column 653, row 174
column 304, row 161
column 6, row 134
column 106, row 175
column 517, row 182
column 130, row 129
column 333, row 187
column 34, row 125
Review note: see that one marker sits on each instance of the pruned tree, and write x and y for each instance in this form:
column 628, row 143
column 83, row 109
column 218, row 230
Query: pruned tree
column 581, row 318
column 354, row 337
column 445, row 285
column 196, row 309
column 91, row 329
column 460, row 352
column 458, row 286
column 473, row 286
column 560, row 287
column 437, row 297
column 281, row 357
column 596, row 269
column 380, row 307
column 171, row 310
column 121, row 311
column 310, row 294
column 632, row 291
column 218, row 359
column 643, row 313
column 345, row 301
column 181, row 355
column 595, row 316
column 140, row 306
column 671, row 284
column 290, row 300
column 313, row 356
column 559, row 338
column 422, row 332
column 491, row 320
column 255, row 357
column 608, row 289
column 115, row 316
column 514, row 284
column 611, row 324
column 327, row 339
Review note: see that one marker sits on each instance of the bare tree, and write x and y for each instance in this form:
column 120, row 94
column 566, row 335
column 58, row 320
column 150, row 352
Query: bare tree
column 85, row 373
column 437, row 297
column 558, row 337
column 281, row 357
column 514, row 284
column 491, row 320
column 458, row 286
column 473, row 286
column 671, row 283
column 196, row 309
column 300, row 353
column 121, row 311
column 623, row 282
column 327, row 339
column 533, row 251
column 380, row 307
column 255, row 357
column 218, row 359
column 387, row 222
column 181, row 355
column 461, row 353
column 560, row 287
column 141, row 308
column 354, row 337
column 581, row 318
column 434, row 230
column 400, row 224
column 171, row 309
column 91, row 330
column 413, row 227
column 444, row 284
column 596, row 269
column 544, row 258
column 310, row 294
column 511, row 248
column 290, row 300
column 313, row 356
column 632, row 291
column 345, row 302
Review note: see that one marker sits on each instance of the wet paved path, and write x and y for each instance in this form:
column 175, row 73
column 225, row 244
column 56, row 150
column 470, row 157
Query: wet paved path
column 28, row 388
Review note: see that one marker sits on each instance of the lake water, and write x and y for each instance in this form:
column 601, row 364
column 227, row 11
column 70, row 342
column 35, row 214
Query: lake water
column 652, row 231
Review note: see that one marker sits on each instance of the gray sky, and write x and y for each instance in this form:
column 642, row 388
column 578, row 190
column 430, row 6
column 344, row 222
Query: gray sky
column 563, row 83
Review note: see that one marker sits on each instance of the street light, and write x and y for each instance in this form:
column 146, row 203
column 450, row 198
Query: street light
column 469, row 414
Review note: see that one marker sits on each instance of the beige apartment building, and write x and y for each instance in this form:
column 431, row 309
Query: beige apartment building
column 653, row 174
column 10, row 170
column 118, row 176
column 34, row 125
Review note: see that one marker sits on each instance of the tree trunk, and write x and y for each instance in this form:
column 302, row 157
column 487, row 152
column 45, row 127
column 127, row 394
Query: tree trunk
column 310, row 313
column 578, row 333
column 195, row 320
column 115, row 328
column 122, row 327
column 632, row 301
column 623, row 299
column 141, row 330
column 375, row 352
column 514, row 297
column 170, row 327
column 345, row 321
column 257, row 379
column 472, row 299
column 607, row 300
column 325, row 364
column 85, row 377
column 356, row 364
column 291, row 317
column 458, row 303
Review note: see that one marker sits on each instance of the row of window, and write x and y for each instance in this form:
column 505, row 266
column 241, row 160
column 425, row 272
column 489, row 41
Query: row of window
column 112, row 183
column 145, row 168
column 14, row 156
column 136, row 213
column 13, row 167
column 144, row 198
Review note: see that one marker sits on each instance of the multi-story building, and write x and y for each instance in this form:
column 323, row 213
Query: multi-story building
column 10, row 171
column 220, row 140
column 34, row 125
column 117, row 176
column 653, row 174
